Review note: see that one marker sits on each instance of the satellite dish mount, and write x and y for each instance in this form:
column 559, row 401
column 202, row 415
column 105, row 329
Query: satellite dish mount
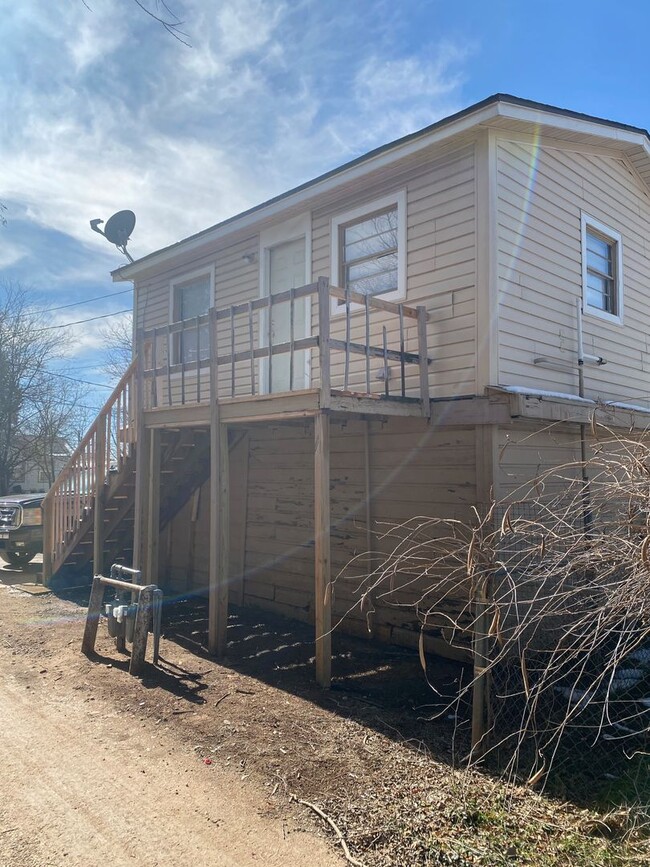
column 117, row 230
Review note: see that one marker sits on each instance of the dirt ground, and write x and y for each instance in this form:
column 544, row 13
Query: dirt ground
column 200, row 763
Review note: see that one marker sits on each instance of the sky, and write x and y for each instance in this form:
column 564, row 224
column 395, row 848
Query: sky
column 102, row 109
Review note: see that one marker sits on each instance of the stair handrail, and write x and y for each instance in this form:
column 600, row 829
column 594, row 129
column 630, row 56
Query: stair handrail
column 72, row 501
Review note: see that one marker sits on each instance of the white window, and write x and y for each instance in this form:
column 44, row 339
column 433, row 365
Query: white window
column 190, row 297
column 602, row 270
column 369, row 248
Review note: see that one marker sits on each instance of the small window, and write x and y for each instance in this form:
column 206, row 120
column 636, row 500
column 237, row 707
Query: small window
column 191, row 298
column 602, row 277
column 368, row 249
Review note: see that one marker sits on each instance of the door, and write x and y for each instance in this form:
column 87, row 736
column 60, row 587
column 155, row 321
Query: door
column 285, row 269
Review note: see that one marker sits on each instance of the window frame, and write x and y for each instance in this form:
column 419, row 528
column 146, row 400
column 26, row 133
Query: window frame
column 590, row 225
column 357, row 215
column 174, row 305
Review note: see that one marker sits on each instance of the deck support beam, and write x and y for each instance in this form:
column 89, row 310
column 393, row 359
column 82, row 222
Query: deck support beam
column 152, row 542
column 323, row 586
column 219, row 528
column 100, row 498
column 219, row 540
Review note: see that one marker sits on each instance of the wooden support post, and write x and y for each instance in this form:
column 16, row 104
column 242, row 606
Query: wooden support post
column 481, row 663
column 48, row 538
column 152, row 542
column 141, row 464
column 423, row 352
column 219, row 531
column 324, row 342
column 92, row 618
column 141, row 630
column 219, row 539
column 323, row 587
column 100, row 478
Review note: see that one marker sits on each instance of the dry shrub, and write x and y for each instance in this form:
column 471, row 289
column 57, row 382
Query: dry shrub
column 553, row 588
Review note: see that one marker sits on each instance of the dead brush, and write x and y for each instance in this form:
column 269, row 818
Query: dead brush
column 556, row 590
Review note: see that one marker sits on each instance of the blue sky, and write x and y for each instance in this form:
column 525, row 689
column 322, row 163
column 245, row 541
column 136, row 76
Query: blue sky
column 101, row 109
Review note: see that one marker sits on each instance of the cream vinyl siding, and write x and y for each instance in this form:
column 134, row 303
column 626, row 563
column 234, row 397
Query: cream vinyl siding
column 440, row 271
column 542, row 193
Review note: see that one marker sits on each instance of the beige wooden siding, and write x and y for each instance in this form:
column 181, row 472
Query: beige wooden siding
column 541, row 193
column 414, row 472
column 440, row 271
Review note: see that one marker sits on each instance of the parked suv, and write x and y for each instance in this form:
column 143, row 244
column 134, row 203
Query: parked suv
column 21, row 528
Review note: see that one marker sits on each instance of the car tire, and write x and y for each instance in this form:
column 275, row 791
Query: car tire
column 19, row 559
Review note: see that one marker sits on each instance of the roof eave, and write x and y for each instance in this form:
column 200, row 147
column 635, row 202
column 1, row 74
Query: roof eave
column 482, row 113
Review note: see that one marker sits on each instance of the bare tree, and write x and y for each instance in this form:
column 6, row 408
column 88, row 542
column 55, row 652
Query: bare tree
column 36, row 409
column 117, row 346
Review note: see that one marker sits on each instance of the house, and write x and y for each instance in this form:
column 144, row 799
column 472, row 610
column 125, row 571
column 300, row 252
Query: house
column 40, row 466
column 357, row 352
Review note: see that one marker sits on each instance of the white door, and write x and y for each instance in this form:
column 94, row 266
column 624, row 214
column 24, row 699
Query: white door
column 285, row 269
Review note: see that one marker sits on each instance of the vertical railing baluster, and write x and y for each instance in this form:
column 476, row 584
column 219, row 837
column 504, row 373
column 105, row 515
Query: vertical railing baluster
column 198, row 360
column 292, row 329
column 251, row 345
column 386, row 372
column 367, row 310
column 401, row 349
column 346, row 373
column 232, row 350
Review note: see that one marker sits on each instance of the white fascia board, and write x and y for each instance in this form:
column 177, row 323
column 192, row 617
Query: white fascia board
column 386, row 155
column 569, row 123
column 249, row 219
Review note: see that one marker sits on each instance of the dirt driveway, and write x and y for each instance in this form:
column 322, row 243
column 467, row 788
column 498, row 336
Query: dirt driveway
column 84, row 783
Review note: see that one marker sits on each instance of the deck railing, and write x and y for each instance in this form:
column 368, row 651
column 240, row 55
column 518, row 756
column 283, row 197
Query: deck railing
column 103, row 451
column 369, row 347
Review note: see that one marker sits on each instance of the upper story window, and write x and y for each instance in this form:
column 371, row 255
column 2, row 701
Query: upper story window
column 369, row 248
column 191, row 298
column 602, row 270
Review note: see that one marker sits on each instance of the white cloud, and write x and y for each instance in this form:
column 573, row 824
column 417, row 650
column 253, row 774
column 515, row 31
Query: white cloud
column 11, row 253
column 270, row 94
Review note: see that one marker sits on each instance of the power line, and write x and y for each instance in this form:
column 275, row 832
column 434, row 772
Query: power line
column 83, row 321
column 87, row 301
column 83, row 381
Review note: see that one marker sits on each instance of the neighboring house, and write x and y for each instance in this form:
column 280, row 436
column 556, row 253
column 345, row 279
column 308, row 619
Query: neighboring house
column 468, row 256
column 36, row 474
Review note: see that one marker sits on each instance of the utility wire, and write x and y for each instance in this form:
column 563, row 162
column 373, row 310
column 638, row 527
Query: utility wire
column 83, row 321
column 87, row 301
column 83, row 381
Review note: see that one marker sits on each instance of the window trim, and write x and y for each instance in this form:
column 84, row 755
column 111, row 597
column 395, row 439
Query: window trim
column 357, row 214
column 613, row 237
column 173, row 286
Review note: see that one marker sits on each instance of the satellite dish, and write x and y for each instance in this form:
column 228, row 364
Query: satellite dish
column 119, row 227
column 117, row 230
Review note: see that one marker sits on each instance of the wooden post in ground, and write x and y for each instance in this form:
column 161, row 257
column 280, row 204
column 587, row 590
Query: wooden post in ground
column 323, row 587
column 100, row 499
column 324, row 302
column 152, row 541
column 48, row 539
column 141, row 629
column 219, row 511
column 92, row 618
column 481, row 664
column 142, row 463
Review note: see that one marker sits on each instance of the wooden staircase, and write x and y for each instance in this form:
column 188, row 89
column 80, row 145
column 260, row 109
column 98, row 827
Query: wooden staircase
column 101, row 472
